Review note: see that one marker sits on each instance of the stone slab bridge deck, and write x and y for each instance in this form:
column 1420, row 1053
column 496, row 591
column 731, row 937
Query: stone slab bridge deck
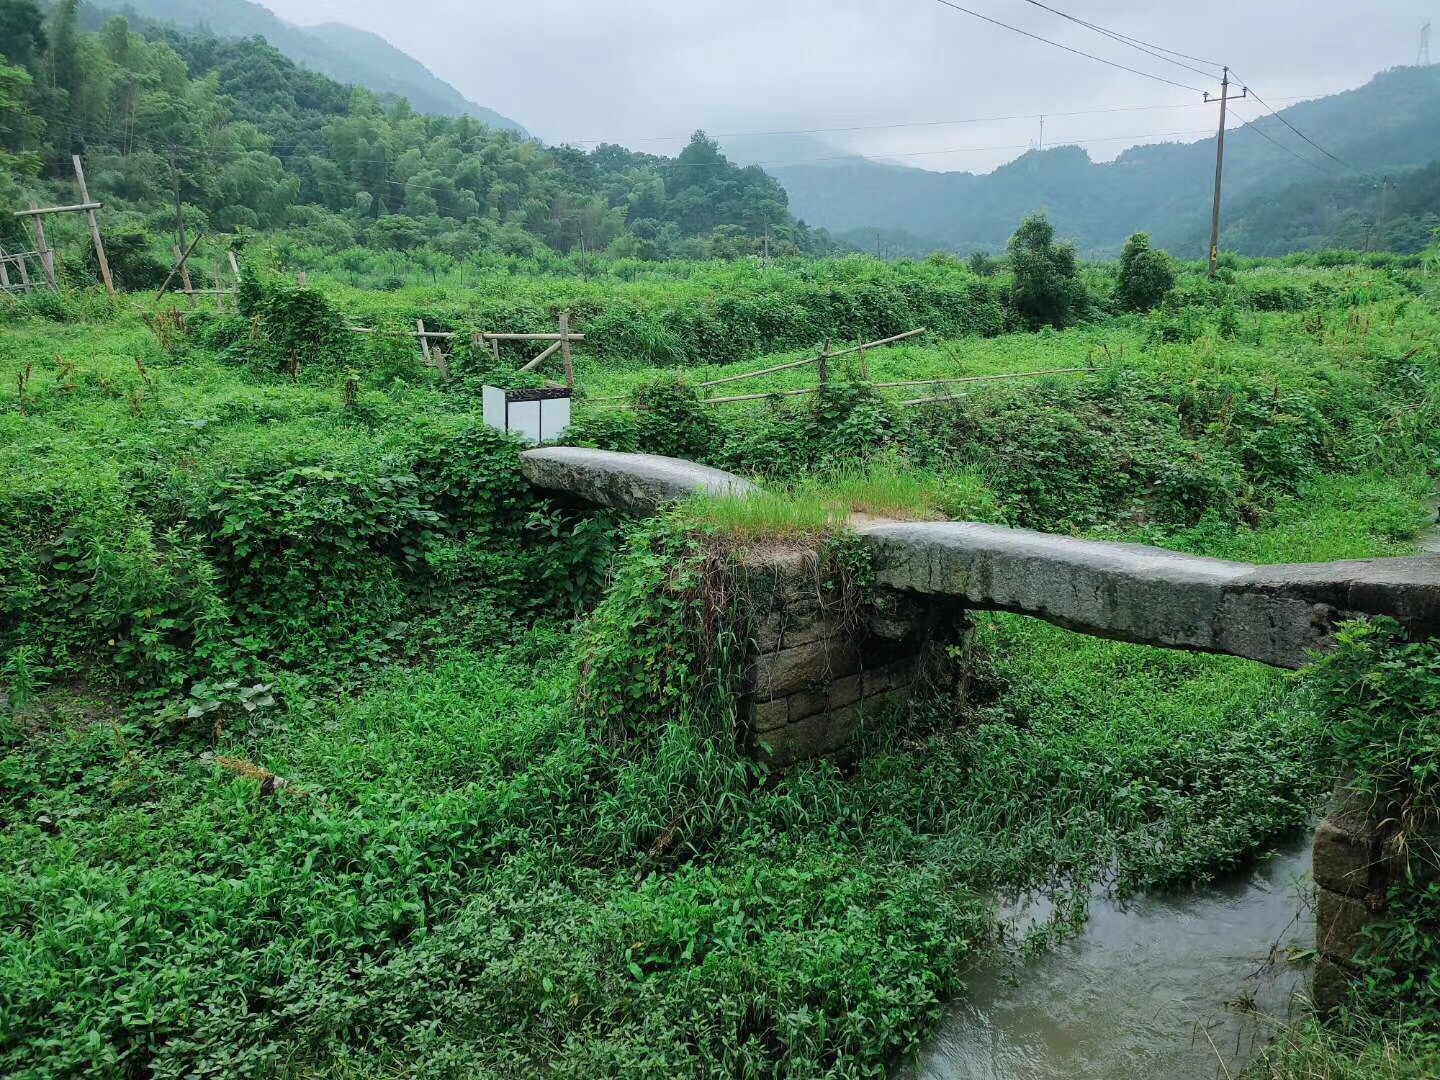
column 812, row 678
column 1276, row 615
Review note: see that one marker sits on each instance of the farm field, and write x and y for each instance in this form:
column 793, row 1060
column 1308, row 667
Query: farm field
column 297, row 778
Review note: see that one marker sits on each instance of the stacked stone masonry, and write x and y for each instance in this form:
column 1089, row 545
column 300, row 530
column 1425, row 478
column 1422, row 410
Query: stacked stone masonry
column 817, row 672
column 1357, row 861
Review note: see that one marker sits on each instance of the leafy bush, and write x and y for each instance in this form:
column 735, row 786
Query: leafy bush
column 1381, row 694
column 670, row 420
column 297, row 326
column 1046, row 284
column 1145, row 275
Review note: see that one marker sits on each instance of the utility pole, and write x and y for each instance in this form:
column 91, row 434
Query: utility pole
column 1380, row 231
column 1042, row 134
column 1367, row 227
column 1224, row 99
column 179, row 214
column 1422, row 58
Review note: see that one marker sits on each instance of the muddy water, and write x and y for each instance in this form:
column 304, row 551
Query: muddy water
column 1176, row 987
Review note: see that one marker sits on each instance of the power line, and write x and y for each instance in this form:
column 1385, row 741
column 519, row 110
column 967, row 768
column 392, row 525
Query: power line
column 1252, row 125
column 672, row 163
column 1292, row 127
column 141, row 142
column 1154, row 50
column 888, row 127
column 1067, row 48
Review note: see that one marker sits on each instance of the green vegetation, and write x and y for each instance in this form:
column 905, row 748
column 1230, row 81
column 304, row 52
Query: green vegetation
column 1145, row 275
column 1045, row 274
column 331, row 748
column 259, row 143
column 1326, row 214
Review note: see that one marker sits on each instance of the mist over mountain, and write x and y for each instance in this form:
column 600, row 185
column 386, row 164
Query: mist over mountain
column 344, row 53
column 1161, row 188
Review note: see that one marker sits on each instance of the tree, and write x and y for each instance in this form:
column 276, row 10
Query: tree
column 65, row 46
column 15, row 123
column 22, row 33
column 1145, row 275
column 983, row 264
column 1046, row 283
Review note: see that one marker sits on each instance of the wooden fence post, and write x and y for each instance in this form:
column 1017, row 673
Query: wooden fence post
column 424, row 341
column 47, row 258
column 4, row 273
column 94, row 225
column 565, row 349
column 182, row 260
column 824, row 369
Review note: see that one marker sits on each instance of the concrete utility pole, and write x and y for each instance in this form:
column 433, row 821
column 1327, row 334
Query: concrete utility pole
column 1224, row 99
column 1422, row 58
column 1380, row 230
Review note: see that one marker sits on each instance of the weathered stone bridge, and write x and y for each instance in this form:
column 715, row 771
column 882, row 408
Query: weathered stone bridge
column 814, row 678
column 1276, row 615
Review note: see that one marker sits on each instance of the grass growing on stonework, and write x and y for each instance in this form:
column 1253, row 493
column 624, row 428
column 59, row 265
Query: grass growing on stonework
column 888, row 487
column 766, row 515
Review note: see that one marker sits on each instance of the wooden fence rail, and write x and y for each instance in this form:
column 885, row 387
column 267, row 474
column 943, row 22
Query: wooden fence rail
column 432, row 344
column 939, row 381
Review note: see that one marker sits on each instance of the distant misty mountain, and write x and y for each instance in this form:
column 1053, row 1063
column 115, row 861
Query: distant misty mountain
column 1163, row 189
column 1398, row 212
column 342, row 52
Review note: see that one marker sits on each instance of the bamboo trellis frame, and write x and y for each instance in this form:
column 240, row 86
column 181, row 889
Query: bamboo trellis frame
column 37, row 215
column 940, row 381
column 432, row 344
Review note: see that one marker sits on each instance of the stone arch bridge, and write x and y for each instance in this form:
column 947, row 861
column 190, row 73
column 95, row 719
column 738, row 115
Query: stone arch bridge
column 812, row 681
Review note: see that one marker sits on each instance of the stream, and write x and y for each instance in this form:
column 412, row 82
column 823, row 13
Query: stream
column 1185, row 986
column 1430, row 538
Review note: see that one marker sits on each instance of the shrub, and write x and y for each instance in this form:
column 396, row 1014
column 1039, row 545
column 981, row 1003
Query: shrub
column 297, row 326
column 1145, row 275
column 670, row 420
column 1046, row 285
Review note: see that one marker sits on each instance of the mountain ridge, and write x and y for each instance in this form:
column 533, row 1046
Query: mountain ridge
column 342, row 52
column 1160, row 188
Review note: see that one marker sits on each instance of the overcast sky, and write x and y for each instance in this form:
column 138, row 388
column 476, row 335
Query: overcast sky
column 645, row 73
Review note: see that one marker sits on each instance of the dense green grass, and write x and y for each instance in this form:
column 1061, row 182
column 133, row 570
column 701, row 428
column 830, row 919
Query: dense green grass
column 460, row 874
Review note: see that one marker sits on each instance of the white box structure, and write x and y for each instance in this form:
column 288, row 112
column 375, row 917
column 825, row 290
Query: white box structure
column 534, row 415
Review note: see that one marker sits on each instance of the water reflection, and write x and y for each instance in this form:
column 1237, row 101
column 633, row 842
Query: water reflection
column 1179, row 987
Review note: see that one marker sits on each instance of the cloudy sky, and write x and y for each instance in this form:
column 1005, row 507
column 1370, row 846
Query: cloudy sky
column 900, row 75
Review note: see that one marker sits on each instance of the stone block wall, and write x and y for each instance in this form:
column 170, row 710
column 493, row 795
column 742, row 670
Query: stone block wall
column 817, row 671
column 1358, row 860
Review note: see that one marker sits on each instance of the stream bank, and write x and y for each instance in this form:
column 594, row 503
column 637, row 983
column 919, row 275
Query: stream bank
column 1186, row 986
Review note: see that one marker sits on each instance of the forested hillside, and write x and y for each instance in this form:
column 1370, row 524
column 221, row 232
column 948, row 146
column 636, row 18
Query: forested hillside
column 342, row 52
column 1164, row 188
column 1345, row 212
column 258, row 143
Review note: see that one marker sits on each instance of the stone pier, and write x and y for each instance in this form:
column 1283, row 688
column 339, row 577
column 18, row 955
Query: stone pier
column 1359, row 860
column 820, row 665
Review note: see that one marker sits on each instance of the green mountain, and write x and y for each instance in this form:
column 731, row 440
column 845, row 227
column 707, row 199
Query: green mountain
column 1346, row 212
column 1164, row 189
column 344, row 53
column 247, row 139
